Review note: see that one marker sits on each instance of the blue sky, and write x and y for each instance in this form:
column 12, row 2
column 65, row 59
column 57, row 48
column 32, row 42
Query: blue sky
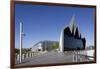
column 45, row 22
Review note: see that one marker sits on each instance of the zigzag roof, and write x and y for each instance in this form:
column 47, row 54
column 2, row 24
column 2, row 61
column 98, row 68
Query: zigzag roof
column 72, row 26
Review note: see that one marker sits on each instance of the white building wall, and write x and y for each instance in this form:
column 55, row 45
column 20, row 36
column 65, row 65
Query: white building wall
column 38, row 46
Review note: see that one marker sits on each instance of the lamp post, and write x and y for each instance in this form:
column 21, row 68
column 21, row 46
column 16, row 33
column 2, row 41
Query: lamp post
column 21, row 40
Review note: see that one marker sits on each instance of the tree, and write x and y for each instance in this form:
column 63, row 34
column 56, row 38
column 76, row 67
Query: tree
column 24, row 50
column 17, row 51
column 55, row 46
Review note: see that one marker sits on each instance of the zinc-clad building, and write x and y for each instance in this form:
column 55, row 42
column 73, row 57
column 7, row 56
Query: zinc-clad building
column 70, row 38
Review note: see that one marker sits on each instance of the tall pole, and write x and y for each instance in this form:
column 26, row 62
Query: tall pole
column 21, row 39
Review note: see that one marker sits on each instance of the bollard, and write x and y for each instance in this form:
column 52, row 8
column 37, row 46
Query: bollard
column 30, row 54
column 18, row 57
column 73, row 58
column 76, row 58
column 23, row 56
column 27, row 55
column 15, row 57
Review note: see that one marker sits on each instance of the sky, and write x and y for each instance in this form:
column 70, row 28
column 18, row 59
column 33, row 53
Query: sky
column 42, row 22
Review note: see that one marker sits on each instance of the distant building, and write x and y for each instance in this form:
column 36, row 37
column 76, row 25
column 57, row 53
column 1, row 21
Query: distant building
column 70, row 38
column 44, row 46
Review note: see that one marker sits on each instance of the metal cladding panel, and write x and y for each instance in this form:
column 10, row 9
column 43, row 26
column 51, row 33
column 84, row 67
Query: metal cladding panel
column 71, row 43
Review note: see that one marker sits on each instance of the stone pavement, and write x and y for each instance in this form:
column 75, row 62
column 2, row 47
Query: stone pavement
column 54, row 57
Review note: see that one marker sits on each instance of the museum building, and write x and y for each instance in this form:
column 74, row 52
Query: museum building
column 70, row 38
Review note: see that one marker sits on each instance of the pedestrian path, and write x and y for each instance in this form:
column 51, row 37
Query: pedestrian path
column 56, row 57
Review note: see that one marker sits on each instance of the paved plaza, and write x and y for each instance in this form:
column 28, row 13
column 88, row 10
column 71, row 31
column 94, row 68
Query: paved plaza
column 54, row 57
